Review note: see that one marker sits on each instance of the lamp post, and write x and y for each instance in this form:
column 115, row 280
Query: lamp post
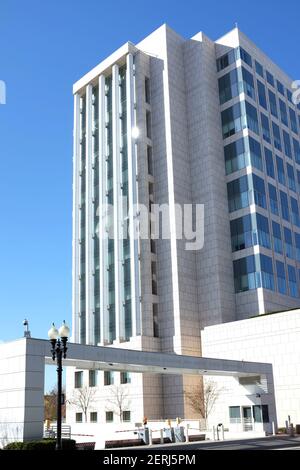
column 58, row 340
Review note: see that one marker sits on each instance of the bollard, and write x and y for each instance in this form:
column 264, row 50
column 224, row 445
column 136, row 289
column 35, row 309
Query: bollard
column 150, row 437
column 161, row 436
column 214, row 433
column 223, row 432
column 273, row 428
column 187, row 433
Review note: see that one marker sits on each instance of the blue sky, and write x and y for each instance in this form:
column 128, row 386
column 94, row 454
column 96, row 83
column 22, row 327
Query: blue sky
column 45, row 46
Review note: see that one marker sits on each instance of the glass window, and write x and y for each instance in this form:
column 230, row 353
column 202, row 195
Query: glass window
column 298, row 180
column 267, row 276
column 148, row 124
column 273, row 103
column 108, row 377
column 262, row 94
column 147, row 90
column 149, row 160
column 289, row 95
column 229, row 86
column 245, row 277
column 78, row 417
column 226, row 60
column 252, row 120
column 125, row 378
column 269, row 162
column 232, row 120
column 260, row 413
column 241, row 233
column 263, row 232
column 277, row 240
column 244, row 55
column 293, row 120
column 238, row 193
column 126, row 416
column 276, row 136
column 297, row 244
column 288, row 243
column 270, row 78
column 259, row 191
column 92, row 378
column 259, row 69
column 273, row 199
column 283, row 112
column 248, row 83
column 234, row 414
column 285, row 214
column 236, row 156
column 291, row 177
column 287, row 144
column 93, row 416
column 295, row 212
column 280, row 170
column 292, row 281
column 280, row 87
column 281, row 279
column 255, row 153
column 78, row 379
column 109, row 416
column 265, row 127
column 296, row 146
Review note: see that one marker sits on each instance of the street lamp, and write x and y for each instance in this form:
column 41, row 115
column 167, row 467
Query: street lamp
column 58, row 340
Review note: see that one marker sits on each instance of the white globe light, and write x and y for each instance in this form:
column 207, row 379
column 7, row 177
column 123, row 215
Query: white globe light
column 53, row 332
column 135, row 132
column 64, row 330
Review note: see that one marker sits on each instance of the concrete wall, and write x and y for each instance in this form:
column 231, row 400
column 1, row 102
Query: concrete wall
column 275, row 338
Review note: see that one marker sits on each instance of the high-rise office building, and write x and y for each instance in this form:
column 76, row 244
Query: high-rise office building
column 173, row 122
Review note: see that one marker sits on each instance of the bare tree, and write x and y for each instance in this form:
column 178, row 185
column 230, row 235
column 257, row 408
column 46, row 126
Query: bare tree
column 202, row 397
column 82, row 399
column 50, row 405
column 118, row 400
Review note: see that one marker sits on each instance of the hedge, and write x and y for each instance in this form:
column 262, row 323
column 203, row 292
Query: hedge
column 44, row 444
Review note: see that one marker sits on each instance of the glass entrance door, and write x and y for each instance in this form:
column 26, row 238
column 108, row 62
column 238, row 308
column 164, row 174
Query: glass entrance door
column 247, row 418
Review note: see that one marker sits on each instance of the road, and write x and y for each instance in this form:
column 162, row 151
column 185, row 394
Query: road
column 262, row 443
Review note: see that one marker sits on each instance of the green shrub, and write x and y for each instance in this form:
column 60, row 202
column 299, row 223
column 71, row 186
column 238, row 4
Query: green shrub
column 44, row 444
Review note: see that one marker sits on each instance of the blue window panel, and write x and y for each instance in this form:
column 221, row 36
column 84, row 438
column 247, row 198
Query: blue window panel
column 297, row 245
column 296, row 147
column 236, row 156
column 255, row 153
column 276, row 136
column 273, row 103
column 288, row 243
column 273, row 199
column 245, row 275
column 289, row 95
column 280, row 87
column 262, row 94
column 270, row 78
column 267, row 275
column 263, row 232
column 251, row 116
column 238, row 194
column 280, row 170
column 295, row 212
column 259, row 191
column 265, row 127
column 285, row 213
column 232, row 120
column 269, row 162
column 226, row 60
column 291, row 177
column 242, row 235
column 287, row 144
column 293, row 119
column 293, row 288
column 244, row 56
column 277, row 239
column 281, row 278
column 259, row 69
column 283, row 113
